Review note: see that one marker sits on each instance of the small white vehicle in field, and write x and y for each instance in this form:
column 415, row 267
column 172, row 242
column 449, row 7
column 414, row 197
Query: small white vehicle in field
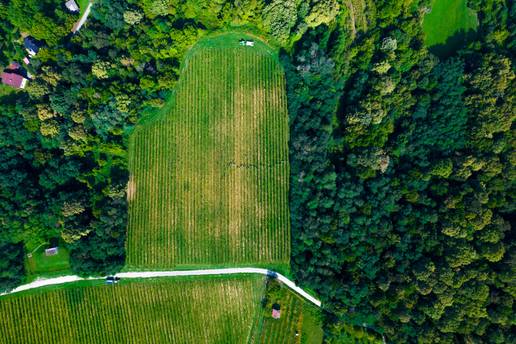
column 246, row 43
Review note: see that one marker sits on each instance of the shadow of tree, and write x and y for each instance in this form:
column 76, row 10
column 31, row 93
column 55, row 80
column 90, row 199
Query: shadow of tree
column 453, row 43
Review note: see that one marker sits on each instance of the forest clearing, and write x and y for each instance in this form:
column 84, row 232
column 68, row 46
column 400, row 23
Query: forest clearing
column 209, row 174
column 448, row 26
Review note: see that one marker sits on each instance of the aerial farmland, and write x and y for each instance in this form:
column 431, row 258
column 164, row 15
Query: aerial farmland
column 210, row 173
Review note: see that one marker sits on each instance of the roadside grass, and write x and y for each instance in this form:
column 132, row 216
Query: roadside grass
column 164, row 310
column 448, row 26
column 40, row 265
column 209, row 173
column 83, row 4
column 312, row 332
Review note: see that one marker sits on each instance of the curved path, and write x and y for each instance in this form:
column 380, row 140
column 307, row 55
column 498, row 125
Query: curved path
column 82, row 20
column 151, row 274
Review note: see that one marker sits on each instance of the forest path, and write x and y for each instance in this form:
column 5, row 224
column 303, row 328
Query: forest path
column 173, row 273
column 81, row 21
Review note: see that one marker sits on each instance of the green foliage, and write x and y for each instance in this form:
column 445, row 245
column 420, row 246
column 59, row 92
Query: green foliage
column 322, row 12
column 133, row 17
column 274, row 294
column 11, row 263
column 44, row 20
column 279, row 17
column 402, row 178
column 153, row 8
column 410, row 233
column 100, row 69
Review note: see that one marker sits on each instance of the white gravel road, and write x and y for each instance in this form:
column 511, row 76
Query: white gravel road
column 152, row 274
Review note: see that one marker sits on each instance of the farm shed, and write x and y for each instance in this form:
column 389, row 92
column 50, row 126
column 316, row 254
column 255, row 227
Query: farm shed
column 276, row 311
column 51, row 251
column 72, row 6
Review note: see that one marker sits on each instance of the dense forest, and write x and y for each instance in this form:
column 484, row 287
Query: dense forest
column 403, row 178
column 402, row 162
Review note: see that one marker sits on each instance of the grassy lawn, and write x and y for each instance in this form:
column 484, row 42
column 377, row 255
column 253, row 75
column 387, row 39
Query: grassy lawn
column 446, row 27
column 209, row 173
column 82, row 5
column 41, row 265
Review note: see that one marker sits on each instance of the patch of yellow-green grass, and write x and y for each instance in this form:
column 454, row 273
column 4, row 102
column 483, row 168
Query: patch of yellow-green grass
column 38, row 264
column 448, row 25
column 209, row 174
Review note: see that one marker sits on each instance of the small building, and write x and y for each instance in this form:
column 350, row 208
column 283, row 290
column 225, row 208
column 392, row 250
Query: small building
column 51, row 251
column 276, row 311
column 31, row 45
column 26, row 60
column 13, row 66
column 12, row 78
column 72, row 6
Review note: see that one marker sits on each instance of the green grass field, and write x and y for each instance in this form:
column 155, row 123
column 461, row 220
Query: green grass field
column 287, row 329
column 447, row 25
column 300, row 321
column 211, row 310
column 82, row 5
column 40, row 264
column 181, row 310
column 209, row 173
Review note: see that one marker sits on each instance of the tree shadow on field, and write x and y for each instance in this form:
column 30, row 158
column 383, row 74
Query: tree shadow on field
column 459, row 40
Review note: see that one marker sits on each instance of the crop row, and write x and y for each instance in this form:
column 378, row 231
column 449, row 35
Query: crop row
column 161, row 311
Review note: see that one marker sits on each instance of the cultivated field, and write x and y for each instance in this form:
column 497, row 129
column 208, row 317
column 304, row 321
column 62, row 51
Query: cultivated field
column 283, row 330
column 300, row 321
column 210, row 310
column 215, row 310
column 209, row 175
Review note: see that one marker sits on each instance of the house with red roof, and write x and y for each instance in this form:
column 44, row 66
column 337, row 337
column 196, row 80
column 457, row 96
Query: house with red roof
column 13, row 80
